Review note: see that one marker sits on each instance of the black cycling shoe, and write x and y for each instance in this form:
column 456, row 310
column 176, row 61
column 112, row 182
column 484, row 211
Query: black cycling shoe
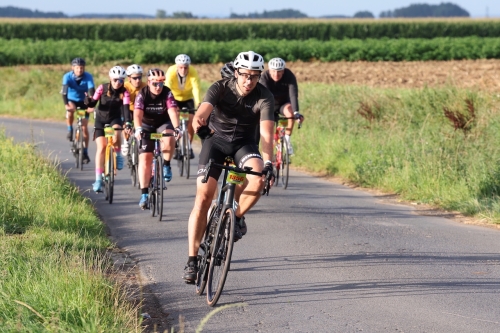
column 190, row 272
column 237, row 232
column 191, row 154
column 241, row 223
column 86, row 159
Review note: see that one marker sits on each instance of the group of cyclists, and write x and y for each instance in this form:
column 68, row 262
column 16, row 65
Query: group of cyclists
column 235, row 117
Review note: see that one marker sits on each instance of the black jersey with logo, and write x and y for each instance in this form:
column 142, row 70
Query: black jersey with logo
column 284, row 91
column 235, row 117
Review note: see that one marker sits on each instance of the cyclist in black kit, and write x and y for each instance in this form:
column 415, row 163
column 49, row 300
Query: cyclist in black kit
column 283, row 84
column 236, row 107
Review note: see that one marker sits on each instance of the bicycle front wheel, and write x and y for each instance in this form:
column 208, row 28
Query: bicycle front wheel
column 159, row 186
column 222, row 248
column 80, row 148
column 111, row 175
column 285, row 163
column 187, row 157
column 180, row 158
column 204, row 252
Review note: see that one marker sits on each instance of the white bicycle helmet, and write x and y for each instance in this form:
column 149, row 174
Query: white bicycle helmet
column 249, row 60
column 277, row 64
column 182, row 59
column 134, row 69
column 117, row 72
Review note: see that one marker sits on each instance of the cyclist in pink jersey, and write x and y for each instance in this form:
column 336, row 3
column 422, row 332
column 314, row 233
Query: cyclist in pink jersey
column 114, row 102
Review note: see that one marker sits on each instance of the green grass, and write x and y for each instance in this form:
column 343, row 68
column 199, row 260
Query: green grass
column 409, row 147
column 52, row 253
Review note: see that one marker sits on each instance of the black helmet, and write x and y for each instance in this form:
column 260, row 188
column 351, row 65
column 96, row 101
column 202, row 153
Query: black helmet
column 227, row 71
column 78, row 62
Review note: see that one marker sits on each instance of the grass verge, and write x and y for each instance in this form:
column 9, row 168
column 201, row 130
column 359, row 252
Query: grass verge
column 52, row 253
column 434, row 146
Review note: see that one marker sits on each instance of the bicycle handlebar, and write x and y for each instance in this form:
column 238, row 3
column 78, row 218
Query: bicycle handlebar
column 115, row 128
column 298, row 119
column 188, row 110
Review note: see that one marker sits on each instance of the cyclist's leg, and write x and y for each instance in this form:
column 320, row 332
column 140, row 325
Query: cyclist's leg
column 70, row 117
column 250, row 192
column 167, row 149
column 145, row 160
column 286, row 110
column 204, row 194
column 100, row 141
column 190, row 127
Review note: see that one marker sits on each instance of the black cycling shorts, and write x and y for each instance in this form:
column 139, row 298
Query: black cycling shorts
column 278, row 108
column 189, row 104
column 218, row 149
column 98, row 123
column 147, row 145
column 82, row 106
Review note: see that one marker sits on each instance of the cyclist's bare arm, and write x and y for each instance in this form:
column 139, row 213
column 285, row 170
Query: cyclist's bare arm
column 201, row 116
column 266, row 139
column 174, row 116
column 138, row 114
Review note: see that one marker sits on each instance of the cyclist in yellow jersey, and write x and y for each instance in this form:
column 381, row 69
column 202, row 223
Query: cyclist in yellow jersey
column 183, row 81
column 133, row 86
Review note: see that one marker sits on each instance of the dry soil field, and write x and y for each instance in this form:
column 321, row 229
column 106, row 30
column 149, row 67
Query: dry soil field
column 481, row 74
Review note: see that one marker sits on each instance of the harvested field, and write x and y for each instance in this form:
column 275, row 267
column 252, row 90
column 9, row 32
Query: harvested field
column 480, row 74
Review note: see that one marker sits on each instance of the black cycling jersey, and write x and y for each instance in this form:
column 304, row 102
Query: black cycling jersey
column 284, row 91
column 155, row 107
column 235, row 117
column 113, row 103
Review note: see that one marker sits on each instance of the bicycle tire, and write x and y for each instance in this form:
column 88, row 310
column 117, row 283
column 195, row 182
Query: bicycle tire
column 187, row 157
column 285, row 163
column 80, row 148
column 111, row 176
column 135, row 160
column 152, row 203
column 220, row 262
column 204, row 254
column 152, row 190
column 160, row 187
column 133, row 175
column 180, row 159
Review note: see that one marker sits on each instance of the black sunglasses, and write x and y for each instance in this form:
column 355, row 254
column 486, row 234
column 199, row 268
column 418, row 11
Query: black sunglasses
column 136, row 77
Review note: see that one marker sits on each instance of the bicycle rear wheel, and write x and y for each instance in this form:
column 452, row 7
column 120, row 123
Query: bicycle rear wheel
column 111, row 175
column 187, row 157
column 204, row 252
column 285, row 163
column 222, row 248
column 159, row 185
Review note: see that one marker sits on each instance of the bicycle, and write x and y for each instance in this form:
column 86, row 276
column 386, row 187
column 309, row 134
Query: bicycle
column 133, row 160
column 214, row 255
column 78, row 142
column 109, row 161
column 184, row 145
column 282, row 155
column 156, row 183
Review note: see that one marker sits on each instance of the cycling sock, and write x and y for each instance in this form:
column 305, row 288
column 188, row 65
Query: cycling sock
column 166, row 163
column 192, row 258
column 117, row 150
column 144, row 190
column 70, row 128
column 287, row 138
column 85, row 151
column 98, row 173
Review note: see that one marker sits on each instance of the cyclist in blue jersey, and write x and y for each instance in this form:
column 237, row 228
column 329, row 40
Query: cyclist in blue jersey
column 75, row 85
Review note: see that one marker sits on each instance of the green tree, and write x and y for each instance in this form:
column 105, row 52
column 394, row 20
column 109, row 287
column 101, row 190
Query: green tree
column 161, row 14
column 364, row 14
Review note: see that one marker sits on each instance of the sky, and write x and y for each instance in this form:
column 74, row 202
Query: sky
column 223, row 8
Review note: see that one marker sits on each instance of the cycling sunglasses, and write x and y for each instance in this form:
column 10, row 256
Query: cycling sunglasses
column 136, row 77
column 158, row 84
column 118, row 80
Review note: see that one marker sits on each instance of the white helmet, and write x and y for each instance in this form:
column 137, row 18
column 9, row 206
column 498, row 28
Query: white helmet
column 134, row 69
column 182, row 59
column 117, row 72
column 277, row 64
column 249, row 60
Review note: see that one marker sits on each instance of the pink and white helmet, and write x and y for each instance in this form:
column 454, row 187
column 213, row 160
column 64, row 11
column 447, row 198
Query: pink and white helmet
column 249, row 60
column 276, row 64
column 117, row 72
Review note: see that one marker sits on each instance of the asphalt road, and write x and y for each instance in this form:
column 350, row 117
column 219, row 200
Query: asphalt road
column 318, row 257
